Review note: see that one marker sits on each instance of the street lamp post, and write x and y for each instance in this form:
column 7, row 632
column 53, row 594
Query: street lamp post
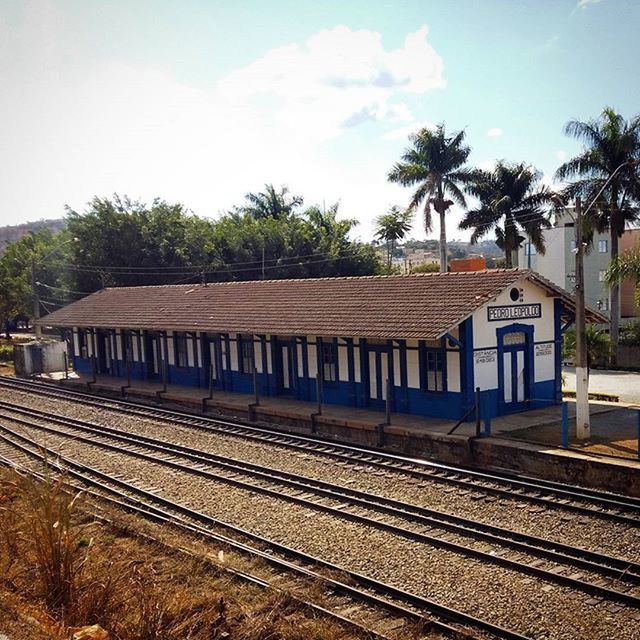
column 583, row 419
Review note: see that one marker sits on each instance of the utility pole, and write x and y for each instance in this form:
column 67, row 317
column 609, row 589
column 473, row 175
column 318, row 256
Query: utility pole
column 583, row 422
column 36, row 300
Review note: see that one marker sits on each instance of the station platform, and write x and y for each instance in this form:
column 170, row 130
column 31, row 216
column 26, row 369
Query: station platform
column 513, row 443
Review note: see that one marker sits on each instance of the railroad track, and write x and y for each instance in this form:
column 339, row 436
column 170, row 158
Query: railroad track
column 531, row 555
column 625, row 509
column 407, row 609
column 158, row 516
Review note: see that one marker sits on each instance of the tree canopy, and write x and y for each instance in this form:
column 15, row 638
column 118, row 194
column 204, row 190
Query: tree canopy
column 117, row 241
column 606, row 172
column 512, row 203
column 393, row 226
column 435, row 164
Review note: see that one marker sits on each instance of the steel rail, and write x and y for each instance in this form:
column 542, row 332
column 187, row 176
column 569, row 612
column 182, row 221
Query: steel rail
column 147, row 498
column 558, row 552
column 565, row 497
column 592, row 588
column 158, row 516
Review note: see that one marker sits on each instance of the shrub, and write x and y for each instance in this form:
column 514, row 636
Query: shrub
column 6, row 352
column 630, row 333
column 605, row 397
column 426, row 268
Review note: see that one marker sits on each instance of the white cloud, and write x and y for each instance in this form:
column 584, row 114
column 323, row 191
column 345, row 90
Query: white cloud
column 337, row 79
column 494, row 133
column 583, row 4
column 76, row 126
column 402, row 133
column 487, row 165
column 561, row 155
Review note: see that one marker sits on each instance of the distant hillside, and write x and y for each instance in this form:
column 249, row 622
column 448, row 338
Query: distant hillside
column 13, row 233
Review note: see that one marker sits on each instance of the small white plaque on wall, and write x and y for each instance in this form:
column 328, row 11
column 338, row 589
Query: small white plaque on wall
column 485, row 356
column 545, row 349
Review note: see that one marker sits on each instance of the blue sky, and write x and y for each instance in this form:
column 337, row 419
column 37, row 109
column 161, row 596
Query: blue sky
column 202, row 101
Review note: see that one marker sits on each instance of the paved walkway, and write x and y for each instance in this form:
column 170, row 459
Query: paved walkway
column 625, row 384
column 355, row 417
column 614, row 428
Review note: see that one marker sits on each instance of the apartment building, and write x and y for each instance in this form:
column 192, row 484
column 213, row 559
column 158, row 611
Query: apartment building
column 558, row 265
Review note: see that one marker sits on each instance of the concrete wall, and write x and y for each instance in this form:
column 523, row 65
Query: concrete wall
column 40, row 357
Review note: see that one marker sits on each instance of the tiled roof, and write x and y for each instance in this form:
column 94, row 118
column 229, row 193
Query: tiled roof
column 423, row 306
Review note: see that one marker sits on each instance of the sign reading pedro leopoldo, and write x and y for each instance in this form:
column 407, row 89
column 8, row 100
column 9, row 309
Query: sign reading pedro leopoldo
column 514, row 312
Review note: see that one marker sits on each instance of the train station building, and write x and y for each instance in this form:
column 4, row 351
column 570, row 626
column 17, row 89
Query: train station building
column 422, row 342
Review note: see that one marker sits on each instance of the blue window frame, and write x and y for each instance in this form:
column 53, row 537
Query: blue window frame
column 329, row 360
column 433, row 368
column 180, row 349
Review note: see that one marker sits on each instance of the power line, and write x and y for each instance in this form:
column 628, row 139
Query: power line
column 48, row 286
column 177, row 268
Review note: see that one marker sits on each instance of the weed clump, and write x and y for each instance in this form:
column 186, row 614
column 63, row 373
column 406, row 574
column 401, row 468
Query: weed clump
column 54, row 555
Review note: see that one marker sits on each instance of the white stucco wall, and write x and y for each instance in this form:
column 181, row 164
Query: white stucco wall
column 453, row 371
column 485, row 339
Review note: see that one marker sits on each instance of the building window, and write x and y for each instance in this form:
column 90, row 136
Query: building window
column 180, row 342
column 514, row 338
column 601, row 275
column 82, row 344
column 127, row 345
column 329, row 360
column 603, row 246
column 434, row 369
column 529, row 249
column 603, row 305
column 245, row 351
column 573, row 245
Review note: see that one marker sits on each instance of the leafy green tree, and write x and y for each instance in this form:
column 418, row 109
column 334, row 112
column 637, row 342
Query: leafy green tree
column 21, row 265
column 270, row 203
column 123, row 242
column 611, row 149
column 512, row 204
column 598, row 343
column 314, row 243
column 427, row 267
column 435, row 164
column 392, row 227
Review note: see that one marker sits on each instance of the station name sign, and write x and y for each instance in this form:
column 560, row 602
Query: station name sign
column 514, row 312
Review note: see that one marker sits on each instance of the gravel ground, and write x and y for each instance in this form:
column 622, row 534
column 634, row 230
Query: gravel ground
column 539, row 609
column 554, row 523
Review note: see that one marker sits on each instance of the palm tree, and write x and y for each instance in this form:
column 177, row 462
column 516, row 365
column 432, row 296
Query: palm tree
column 393, row 226
column 626, row 267
column 435, row 163
column 512, row 202
column 270, row 203
column 598, row 343
column 612, row 146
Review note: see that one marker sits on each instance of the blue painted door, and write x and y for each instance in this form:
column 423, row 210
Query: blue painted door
column 212, row 360
column 153, row 355
column 378, row 372
column 515, row 376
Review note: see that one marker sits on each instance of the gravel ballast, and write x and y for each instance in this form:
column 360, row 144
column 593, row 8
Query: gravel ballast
column 554, row 523
column 534, row 607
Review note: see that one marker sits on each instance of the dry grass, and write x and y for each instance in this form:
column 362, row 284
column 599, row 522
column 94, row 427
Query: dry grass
column 68, row 570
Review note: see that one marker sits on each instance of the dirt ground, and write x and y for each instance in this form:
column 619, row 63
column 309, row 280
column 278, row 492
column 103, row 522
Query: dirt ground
column 613, row 432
